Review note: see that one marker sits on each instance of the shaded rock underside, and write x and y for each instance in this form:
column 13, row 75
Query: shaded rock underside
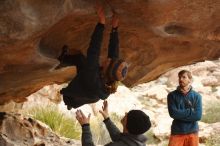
column 155, row 36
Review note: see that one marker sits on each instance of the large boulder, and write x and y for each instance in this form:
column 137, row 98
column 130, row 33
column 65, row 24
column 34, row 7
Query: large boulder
column 155, row 36
column 18, row 130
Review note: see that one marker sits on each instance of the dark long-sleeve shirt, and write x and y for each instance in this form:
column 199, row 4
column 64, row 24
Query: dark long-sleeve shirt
column 186, row 110
column 88, row 85
column 118, row 138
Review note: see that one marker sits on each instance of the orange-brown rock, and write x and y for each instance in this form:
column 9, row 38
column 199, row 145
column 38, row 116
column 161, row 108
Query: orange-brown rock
column 155, row 36
column 19, row 130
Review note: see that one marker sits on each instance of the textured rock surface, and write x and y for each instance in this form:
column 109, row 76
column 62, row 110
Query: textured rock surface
column 17, row 130
column 145, row 97
column 156, row 35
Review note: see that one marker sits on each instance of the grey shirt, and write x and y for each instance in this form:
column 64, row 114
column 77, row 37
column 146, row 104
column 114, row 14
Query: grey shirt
column 118, row 138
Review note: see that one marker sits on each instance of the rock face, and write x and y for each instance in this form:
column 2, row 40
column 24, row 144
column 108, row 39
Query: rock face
column 17, row 130
column 150, row 97
column 155, row 36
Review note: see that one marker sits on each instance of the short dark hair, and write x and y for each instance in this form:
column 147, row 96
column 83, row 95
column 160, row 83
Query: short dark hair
column 137, row 122
column 185, row 71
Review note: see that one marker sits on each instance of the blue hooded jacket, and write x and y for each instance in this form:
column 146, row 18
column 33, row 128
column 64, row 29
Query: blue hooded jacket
column 186, row 110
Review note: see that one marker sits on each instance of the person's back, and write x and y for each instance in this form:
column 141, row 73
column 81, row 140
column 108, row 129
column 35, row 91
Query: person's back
column 79, row 89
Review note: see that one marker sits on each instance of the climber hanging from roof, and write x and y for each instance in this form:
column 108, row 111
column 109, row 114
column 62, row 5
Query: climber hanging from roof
column 94, row 82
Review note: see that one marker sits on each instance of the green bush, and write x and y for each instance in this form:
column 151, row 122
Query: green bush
column 211, row 113
column 57, row 121
column 99, row 131
column 151, row 139
column 214, row 88
column 165, row 143
column 213, row 140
